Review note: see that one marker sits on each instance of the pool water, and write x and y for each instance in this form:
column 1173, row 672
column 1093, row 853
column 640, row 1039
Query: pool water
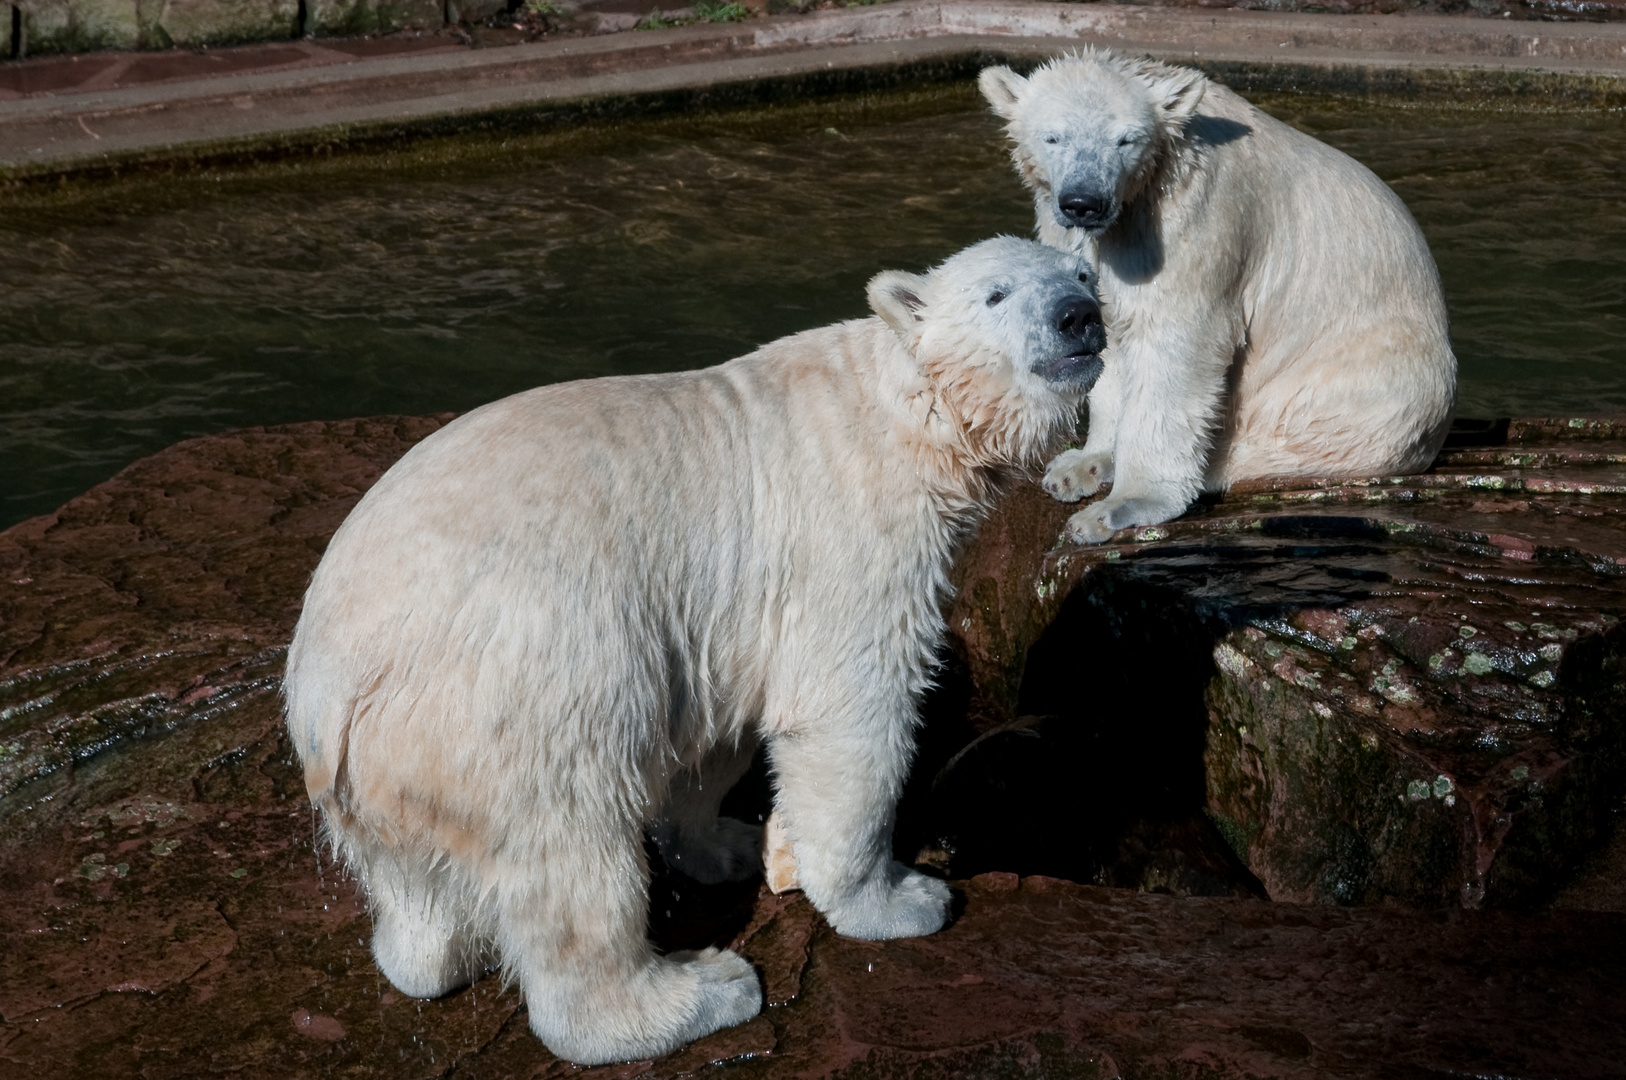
column 139, row 313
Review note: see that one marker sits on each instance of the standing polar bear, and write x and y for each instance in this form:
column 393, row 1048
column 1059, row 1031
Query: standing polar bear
column 570, row 616
column 1274, row 307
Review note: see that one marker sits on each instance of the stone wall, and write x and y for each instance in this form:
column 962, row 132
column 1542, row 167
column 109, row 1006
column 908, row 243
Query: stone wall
column 36, row 27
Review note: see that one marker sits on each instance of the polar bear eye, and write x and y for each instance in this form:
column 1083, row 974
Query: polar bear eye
column 994, row 298
column 1084, row 276
column 1051, row 139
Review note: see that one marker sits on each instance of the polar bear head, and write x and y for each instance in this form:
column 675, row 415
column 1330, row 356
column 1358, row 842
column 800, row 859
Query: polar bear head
column 1008, row 334
column 1091, row 129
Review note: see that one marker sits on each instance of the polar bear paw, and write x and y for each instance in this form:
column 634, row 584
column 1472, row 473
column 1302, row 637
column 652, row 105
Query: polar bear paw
column 1099, row 521
column 730, row 850
column 679, row 998
column 894, row 903
column 1092, row 525
column 1073, row 475
column 728, row 992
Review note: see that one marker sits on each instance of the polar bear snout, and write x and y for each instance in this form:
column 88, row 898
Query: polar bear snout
column 1077, row 321
column 1080, row 317
column 1082, row 208
column 1076, row 372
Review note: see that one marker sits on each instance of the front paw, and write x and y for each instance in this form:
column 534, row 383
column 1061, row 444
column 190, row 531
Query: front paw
column 896, row 902
column 1073, row 475
column 1097, row 522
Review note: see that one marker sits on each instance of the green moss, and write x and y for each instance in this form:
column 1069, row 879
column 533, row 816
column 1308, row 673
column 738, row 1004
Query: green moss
column 1238, row 836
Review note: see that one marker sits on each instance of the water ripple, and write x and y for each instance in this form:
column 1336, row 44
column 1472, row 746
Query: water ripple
column 138, row 314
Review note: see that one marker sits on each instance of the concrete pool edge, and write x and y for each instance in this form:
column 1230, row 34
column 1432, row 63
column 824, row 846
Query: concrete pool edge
column 258, row 115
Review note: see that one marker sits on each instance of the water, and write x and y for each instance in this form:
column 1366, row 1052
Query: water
column 1526, row 215
column 136, row 314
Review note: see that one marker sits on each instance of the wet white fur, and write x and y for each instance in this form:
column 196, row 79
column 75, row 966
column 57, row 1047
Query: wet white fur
column 1272, row 306
column 571, row 615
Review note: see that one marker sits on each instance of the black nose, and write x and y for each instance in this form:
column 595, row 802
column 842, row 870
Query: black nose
column 1077, row 315
column 1085, row 210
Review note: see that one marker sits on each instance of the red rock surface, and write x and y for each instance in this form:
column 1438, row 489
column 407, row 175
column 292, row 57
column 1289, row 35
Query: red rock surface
column 167, row 915
column 167, row 594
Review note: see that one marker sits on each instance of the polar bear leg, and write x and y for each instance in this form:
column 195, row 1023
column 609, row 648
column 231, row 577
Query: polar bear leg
column 692, row 838
column 573, row 927
column 1173, row 391
column 837, row 795
column 425, row 937
column 1077, row 474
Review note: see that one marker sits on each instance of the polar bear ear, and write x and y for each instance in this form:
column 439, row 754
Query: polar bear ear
column 1178, row 92
column 895, row 297
column 1003, row 89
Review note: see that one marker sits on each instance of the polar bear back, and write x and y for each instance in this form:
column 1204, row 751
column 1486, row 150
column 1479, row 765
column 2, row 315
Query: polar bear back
column 1347, row 307
column 1328, row 240
column 559, row 508
column 1337, row 297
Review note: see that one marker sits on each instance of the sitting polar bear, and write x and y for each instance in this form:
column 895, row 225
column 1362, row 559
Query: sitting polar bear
column 1274, row 308
column 570, row 616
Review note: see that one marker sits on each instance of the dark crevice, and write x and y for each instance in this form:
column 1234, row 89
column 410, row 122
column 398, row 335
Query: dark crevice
column 945, row 730
column 1100, row 777
column 1470, row 432
column 684, row 914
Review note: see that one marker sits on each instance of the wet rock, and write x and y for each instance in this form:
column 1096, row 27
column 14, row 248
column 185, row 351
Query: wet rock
column 1405, row 688
column 317, row 1025
column 170, row 912
column 1041, row 977
column 167, row 595
column 220, row 939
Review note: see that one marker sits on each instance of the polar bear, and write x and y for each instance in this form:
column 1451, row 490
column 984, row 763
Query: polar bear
column 1273, row 307
column 572, row 615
